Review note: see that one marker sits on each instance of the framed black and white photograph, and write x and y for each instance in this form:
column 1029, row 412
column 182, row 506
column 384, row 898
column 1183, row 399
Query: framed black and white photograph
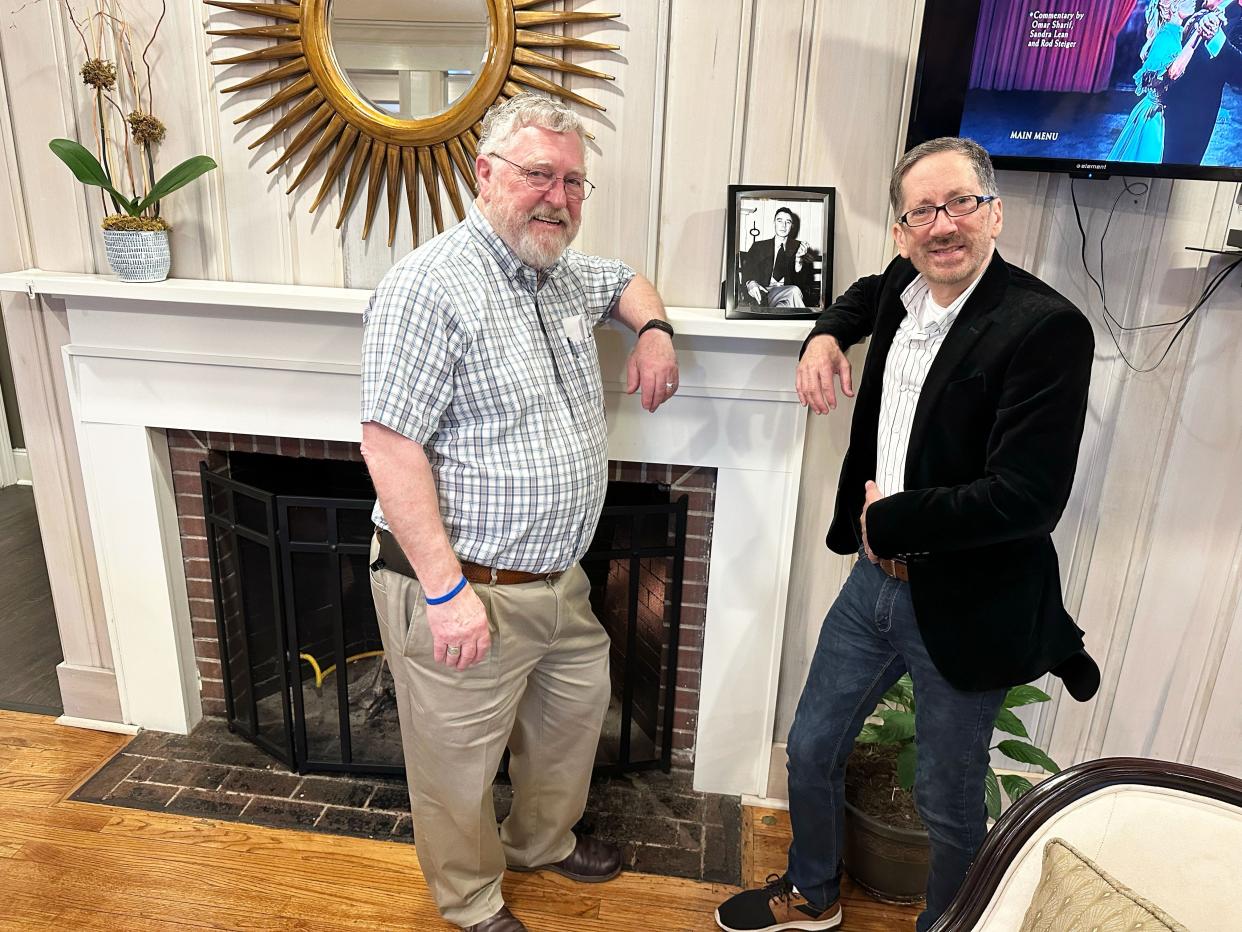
column 779, row 260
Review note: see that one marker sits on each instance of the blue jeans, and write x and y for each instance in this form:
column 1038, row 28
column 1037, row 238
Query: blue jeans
column 869, row 639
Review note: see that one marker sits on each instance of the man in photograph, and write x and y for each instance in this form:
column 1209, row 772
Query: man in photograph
column 962, row 452
column 484, row 432
column 777, row 272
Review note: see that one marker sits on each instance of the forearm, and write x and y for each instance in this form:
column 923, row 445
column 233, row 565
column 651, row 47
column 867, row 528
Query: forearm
column 639, row 303
column 407, row 494
column 851, row 317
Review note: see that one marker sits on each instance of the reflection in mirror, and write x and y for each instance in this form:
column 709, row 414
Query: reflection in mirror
column 410, row 59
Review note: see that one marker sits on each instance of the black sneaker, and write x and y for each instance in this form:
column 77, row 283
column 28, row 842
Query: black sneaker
column 773, row 908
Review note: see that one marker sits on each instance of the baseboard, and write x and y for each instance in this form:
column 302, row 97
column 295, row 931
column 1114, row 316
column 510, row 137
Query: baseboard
column 21, row 459
column 96, row 725
column 89, row 694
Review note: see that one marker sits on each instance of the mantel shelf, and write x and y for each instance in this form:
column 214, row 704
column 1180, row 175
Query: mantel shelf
column 688, row 321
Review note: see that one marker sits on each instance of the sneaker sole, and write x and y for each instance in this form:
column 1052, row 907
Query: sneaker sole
column 798, row 925
column 580, row 878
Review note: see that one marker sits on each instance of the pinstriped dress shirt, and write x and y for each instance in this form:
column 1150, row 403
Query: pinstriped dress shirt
column 494, row 372
column 910, row 358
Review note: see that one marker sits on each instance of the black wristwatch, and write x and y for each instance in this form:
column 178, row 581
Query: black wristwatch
column 656, row 324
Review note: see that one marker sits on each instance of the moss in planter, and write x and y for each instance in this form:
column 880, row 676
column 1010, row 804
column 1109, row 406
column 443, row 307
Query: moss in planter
column 135, row 224
column 871, row 785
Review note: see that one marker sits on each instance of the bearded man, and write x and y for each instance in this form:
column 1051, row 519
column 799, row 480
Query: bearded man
column 483, row 428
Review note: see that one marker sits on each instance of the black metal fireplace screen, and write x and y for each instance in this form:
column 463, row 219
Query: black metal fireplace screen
column 300, row 651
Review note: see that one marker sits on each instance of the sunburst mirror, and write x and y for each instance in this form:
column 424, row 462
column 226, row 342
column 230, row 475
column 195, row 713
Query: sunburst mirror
column 394, row 91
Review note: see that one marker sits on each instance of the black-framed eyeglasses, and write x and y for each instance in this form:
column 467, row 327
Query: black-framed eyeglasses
column 576, row 189
column 958, row 207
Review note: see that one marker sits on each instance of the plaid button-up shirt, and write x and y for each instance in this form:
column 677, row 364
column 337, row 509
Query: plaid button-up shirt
column 496, row 375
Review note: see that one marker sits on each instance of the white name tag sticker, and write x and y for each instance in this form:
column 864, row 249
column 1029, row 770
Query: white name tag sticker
column 576, row 328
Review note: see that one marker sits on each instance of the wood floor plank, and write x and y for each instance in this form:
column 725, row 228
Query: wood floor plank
column 72, row 865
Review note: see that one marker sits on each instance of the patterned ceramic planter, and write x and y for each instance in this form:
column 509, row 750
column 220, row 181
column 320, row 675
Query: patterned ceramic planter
column 138, row 256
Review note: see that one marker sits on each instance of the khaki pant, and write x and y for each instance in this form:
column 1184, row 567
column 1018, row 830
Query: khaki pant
column 543, row 690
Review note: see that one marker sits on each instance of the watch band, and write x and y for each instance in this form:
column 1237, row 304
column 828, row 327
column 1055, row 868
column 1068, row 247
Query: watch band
column 656, row 324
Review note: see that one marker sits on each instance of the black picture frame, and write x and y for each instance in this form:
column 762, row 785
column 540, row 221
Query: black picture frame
column 752, row 222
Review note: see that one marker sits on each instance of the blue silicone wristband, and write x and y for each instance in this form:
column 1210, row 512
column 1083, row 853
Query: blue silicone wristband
column 461, row 584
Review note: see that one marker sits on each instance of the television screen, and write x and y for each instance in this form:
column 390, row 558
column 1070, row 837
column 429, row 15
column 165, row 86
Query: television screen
column 1093, row 87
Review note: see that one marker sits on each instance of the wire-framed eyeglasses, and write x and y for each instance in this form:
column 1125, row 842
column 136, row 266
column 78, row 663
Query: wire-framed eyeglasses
column 576, row 189
column 957, row 207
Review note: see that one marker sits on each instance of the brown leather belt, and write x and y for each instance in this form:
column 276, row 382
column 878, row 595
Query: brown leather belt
column 895, row 568
column 392, row 557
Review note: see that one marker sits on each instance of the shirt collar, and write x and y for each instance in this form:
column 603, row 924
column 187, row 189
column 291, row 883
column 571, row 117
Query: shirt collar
column 925, row 313
column 514, row 268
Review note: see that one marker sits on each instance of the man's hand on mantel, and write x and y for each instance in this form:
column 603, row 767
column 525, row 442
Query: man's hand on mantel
column 823, row 362
column 652, row 367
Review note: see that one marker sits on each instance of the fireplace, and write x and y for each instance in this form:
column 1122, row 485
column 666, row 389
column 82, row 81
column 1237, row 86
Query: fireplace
column 244, row 360
column 283, row 596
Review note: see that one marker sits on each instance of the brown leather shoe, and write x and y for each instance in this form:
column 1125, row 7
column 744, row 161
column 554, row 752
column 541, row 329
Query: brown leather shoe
column 592, row 861
column 503, row 921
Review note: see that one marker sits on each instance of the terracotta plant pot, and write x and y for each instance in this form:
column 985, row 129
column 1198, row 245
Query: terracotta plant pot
column 138, row 255
column 888, row 862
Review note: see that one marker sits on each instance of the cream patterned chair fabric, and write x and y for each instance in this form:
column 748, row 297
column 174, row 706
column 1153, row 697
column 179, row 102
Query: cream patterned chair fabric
column 1169, row 832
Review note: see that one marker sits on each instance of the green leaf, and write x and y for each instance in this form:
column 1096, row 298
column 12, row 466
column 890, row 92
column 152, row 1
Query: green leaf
column 869, row 735
column 907, row 764
column 1025, row 695
column 179, row 177
column 1008, row 722
column 86, row 169
column 898, row 726
column 901, row 694
column 1028, row 754
column 991, row 795
column 1016, row 787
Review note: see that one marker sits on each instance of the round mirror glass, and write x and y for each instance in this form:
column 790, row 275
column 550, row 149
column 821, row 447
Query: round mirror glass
column 410, row 59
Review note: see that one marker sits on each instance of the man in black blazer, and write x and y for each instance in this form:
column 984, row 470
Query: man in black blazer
column 962, row 452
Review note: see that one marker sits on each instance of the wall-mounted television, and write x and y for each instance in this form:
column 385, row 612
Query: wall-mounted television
column 1091, row 87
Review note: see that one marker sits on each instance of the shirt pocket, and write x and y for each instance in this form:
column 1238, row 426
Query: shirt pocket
column 578, row 361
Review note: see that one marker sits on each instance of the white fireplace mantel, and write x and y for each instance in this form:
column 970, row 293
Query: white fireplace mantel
column 283, row 360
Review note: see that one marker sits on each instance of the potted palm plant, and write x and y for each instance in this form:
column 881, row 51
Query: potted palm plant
column 126, row 136
column 886, row 845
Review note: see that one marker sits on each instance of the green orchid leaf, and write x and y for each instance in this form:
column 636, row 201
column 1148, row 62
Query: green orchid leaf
column 179, row 177
column 907, row 764
column 991, row 795
column 86, row 169
column 1016, row 787
column 1028, row 754
column 1008, row 722
column 1025, row 695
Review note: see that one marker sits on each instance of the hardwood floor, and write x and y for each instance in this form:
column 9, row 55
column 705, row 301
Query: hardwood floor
column 68, row 865
column 765, row 842
column 29, row 641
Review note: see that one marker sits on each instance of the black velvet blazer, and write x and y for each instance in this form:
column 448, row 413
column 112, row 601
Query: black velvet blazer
column 991, row 459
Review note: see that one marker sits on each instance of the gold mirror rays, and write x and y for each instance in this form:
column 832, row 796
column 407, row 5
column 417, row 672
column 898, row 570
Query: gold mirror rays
column 392, row 154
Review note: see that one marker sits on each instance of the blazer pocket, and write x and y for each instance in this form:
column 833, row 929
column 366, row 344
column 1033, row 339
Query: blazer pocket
column 975, row 382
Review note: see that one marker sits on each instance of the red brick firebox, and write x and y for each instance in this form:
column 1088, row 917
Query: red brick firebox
column 188, row 449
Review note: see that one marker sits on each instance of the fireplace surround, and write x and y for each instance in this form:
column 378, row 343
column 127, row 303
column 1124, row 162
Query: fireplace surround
column 282, row 361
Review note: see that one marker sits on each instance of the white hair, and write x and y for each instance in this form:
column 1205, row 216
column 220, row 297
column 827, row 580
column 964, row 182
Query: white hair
column 527, row 109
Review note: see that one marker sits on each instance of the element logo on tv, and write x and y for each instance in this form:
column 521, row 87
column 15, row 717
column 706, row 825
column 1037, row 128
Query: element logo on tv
column 1091, row 166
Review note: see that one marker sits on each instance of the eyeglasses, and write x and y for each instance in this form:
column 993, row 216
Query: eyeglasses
column 958, row 207
column 576, row 189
